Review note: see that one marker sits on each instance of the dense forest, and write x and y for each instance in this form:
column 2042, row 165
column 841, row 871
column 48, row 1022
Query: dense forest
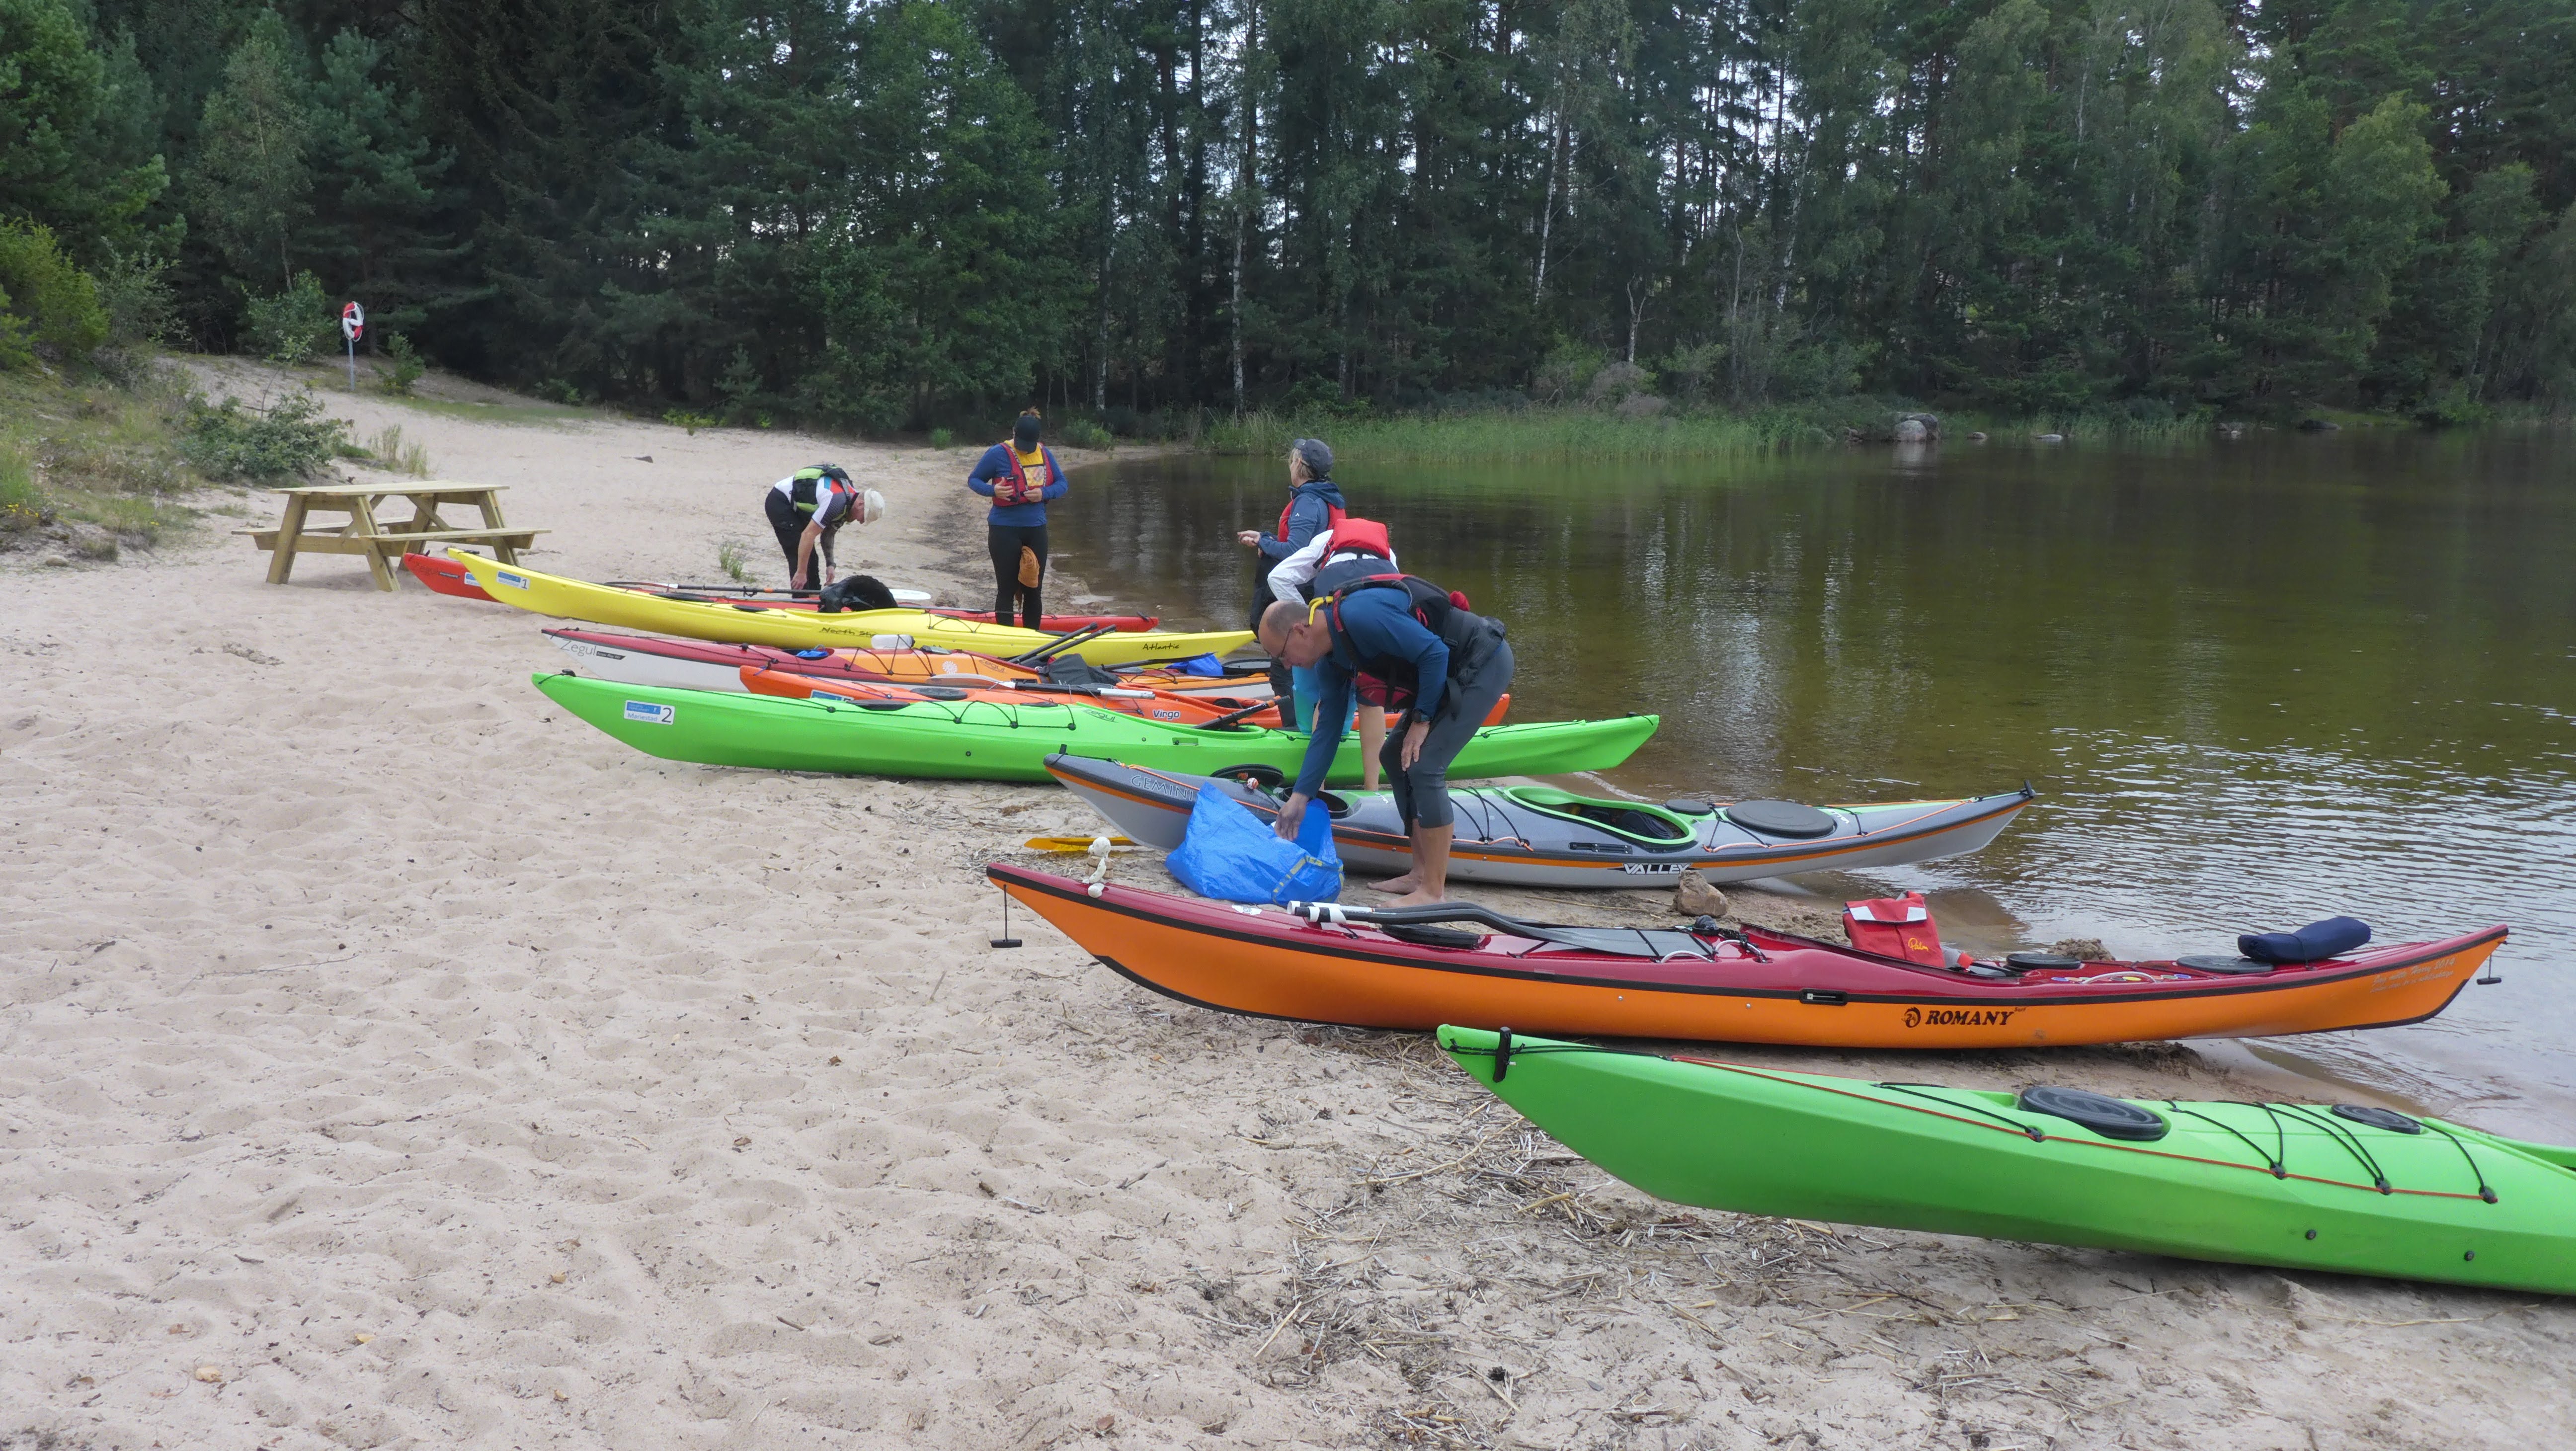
column 877, row 213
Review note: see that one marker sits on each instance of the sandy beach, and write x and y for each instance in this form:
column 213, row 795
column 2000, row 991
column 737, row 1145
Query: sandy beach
column 389, row 1060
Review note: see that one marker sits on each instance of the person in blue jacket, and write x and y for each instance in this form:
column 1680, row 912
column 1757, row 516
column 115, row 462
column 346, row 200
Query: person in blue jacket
column 1020, row 476
column 1445, row 666
column 1314, row 504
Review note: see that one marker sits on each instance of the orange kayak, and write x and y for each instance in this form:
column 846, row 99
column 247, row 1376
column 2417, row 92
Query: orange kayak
column 1752, row 986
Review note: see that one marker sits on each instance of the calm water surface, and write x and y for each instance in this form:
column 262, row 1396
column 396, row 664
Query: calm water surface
column 2259, row 682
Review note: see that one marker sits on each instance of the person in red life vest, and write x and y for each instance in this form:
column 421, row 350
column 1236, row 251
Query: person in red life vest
column 1020, row 476
column 1351, row 538
column 1444, row 666
column 1314, row 504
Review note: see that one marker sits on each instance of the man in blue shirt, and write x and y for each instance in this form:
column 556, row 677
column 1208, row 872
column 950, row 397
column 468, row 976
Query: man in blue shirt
column 1447, row 673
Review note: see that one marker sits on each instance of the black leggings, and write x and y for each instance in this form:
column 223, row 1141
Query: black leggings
column 789, row 525
column 1007, row 541
column 1422, row 794
column 1283, row 686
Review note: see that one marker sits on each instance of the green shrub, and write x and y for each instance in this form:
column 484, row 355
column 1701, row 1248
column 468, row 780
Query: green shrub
column 1083, row 433
column 942, row 438
column 45, row 302
column 289, row 439
column 406, row 367
column 289, row 327
column 682, row 418
column 1563, row 376
column 729, row 558
column 22, row 506
column 135, row 294
column 389, row 448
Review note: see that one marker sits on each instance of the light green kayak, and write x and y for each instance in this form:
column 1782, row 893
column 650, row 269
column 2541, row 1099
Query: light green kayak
column 2353, row 1190
column 1009, row 740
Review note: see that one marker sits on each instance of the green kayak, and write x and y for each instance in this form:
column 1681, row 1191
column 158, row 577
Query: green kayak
column 1010, row 740
column 2353, row 1190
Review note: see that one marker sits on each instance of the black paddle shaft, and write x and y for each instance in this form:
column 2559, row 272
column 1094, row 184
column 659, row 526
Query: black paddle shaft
column 1062, row 643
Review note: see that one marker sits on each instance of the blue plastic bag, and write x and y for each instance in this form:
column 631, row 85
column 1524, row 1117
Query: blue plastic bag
column 1230, row 854
column 1207, row 665
column 2315, row 942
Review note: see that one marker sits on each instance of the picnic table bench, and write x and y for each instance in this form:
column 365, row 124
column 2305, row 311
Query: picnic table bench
column 380, row 541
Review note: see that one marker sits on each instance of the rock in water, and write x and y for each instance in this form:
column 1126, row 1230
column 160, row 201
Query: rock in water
column 1911, row 430
column 1694, row 897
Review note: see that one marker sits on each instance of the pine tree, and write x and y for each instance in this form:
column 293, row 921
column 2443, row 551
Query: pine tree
column 251, row 185
column 71, row 159
column 373, row 229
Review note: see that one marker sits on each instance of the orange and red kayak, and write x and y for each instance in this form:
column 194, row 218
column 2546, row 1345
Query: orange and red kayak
column 707, row 665
column 1182, row 708
column 1722, row 985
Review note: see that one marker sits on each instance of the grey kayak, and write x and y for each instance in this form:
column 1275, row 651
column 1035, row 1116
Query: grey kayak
column 1538, row 836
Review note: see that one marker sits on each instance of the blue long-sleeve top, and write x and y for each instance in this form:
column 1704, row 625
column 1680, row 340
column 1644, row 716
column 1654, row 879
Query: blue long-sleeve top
column 1309, row 510
column 1377, row 624
column 996, row 464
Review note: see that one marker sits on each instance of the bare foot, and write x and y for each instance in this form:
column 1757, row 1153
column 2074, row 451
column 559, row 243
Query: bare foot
column 1408, row 882
column 1417, row 898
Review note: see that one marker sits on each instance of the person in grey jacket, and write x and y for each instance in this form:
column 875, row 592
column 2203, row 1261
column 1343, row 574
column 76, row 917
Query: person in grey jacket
column 1314, row 504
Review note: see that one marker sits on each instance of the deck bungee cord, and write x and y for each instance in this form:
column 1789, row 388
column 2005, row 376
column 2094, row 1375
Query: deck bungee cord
column 1988, row 1117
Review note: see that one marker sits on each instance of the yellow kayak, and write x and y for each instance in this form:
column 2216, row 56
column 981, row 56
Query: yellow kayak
column 574, row 599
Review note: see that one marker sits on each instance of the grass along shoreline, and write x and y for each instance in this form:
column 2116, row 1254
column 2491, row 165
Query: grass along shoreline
column 91, row 467
column 1574, row 432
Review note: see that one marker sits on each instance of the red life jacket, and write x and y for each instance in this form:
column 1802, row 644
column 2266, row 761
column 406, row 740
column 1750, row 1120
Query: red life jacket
column 1362, row 534
column 1017, row 489
column 1333, row 522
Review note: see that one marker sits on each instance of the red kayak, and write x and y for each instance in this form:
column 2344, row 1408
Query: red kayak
column 701, row 665
column 444, row 575
column 449, row 578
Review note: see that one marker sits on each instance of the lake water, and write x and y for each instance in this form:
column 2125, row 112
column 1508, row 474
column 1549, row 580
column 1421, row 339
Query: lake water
column 2259, row 682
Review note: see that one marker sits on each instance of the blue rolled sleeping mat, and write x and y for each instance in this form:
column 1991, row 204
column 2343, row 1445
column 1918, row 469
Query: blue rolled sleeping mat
column 2315, row 942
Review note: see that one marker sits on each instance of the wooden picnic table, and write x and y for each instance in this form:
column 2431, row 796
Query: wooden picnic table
column 383, row 542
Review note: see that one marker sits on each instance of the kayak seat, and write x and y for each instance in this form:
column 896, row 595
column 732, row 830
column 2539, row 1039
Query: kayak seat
column 1650, row 825
column 1781, row 818
column 1657, row 943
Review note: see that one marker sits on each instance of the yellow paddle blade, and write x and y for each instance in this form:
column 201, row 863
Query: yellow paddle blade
column 1069, row 844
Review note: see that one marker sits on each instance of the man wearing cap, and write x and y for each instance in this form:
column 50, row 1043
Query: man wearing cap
column 1314, row 504
column 806, row 509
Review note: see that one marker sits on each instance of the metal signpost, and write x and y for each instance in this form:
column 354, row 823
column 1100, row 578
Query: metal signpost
column 353, row 321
